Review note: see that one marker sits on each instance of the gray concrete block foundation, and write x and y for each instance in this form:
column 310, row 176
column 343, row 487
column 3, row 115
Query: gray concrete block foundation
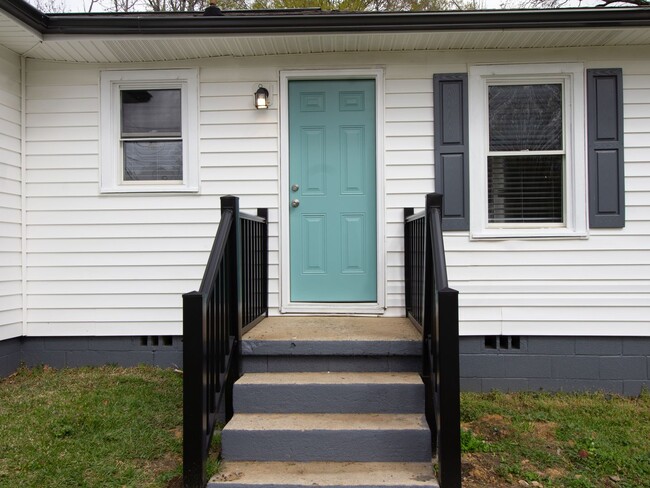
column 68, row 352
column 618, row 365
column 9, row 356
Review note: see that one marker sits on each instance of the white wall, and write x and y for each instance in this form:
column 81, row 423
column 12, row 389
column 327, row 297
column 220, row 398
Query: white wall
column 10, row 197
column 117, row 264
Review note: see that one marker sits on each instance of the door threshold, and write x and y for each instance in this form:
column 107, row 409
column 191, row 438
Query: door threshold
column 323, row 308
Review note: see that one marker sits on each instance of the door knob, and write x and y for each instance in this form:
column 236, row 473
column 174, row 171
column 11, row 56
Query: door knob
column 295, row 203
column 295, row 187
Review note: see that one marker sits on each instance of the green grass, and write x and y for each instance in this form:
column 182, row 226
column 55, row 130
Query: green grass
column 122, row 427
column 90, row 427
column 559, row 440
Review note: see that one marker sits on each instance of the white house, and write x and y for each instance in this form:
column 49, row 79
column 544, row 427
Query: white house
column 119, row 134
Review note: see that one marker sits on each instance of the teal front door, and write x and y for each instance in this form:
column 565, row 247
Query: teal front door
column 332, row 191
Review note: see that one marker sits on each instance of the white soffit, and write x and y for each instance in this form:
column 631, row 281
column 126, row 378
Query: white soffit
column 112, row 49
column 16, row 36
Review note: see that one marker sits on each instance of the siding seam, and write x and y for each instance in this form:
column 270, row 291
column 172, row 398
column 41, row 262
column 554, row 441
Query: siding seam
column 23, row 192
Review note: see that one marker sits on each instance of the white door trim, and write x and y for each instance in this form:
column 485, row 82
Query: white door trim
column 286, row 306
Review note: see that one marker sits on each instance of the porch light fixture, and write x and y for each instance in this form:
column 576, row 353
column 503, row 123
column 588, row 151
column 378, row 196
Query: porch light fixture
column 262, row 98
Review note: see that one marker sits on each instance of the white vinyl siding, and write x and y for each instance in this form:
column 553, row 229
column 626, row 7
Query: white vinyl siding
column 409, row 168
column 11, row 314
column 118, row 264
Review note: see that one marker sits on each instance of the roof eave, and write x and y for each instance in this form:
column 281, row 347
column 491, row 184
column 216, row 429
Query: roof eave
column 352, row 22
column 26, row 14
column 232, row 23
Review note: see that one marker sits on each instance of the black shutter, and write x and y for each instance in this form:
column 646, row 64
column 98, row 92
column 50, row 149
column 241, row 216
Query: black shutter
column 605, row 136
column 451, row 148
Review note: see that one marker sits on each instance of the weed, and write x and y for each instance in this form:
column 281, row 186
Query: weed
column 470, row 443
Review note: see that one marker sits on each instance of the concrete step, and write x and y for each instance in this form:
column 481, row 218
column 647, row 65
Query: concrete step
column 329, row 393
column 324, row 475
column 327, row 437
column 301, row 344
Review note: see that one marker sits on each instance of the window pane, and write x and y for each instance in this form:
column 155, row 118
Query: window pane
column 524, row 189
column 151, row 112
column 525, row 117
column 153, row 160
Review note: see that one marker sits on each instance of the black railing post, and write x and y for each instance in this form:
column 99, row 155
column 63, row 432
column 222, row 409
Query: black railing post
column 443, row 318
column 194, row 390
column 407, row 260
column 264, row 248
column 448, row 382
column 430, row 319
column 235, row 304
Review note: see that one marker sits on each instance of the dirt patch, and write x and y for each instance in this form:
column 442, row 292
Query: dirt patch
column 545, row 431
column 479, row 471
column 175, row 482
column 491, row 427
column 161, row 465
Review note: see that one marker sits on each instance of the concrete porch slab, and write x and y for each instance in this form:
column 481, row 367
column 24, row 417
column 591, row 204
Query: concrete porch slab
column 331, row 336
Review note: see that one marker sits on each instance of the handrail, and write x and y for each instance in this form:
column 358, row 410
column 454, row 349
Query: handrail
column 433, row 308
column 232, row 298
column 415, row 216
column 438, row 248
column 217, row 252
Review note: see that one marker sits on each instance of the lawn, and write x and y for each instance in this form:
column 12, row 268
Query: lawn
column 88, row 427
column 121, row 427
column 561, row 440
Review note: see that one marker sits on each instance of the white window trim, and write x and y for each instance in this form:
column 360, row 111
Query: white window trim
column 111, row 82
column 575, row 200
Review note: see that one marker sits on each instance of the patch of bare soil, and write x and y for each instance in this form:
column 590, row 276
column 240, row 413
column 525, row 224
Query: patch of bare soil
column 491, row 427
column 176, row 482
column 479, row 471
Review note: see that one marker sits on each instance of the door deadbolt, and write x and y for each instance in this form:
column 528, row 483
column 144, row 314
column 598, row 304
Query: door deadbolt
column 295, row 187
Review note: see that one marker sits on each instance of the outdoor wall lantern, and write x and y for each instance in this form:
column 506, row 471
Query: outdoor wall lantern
column 262, row 98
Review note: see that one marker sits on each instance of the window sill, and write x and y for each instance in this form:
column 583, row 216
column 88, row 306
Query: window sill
column 149, row 189
column 547, row 233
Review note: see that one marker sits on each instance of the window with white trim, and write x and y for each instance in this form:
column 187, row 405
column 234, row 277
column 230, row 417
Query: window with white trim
column 527, row 154
column 149, row 131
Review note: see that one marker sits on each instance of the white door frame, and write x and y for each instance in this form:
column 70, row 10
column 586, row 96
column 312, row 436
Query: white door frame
column 286, row 306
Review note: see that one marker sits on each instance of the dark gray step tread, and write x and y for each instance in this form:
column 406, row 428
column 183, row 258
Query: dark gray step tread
column 324, row 474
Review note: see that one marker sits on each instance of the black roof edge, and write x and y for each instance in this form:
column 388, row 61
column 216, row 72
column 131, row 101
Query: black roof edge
column 25, row 13
column 191, row 23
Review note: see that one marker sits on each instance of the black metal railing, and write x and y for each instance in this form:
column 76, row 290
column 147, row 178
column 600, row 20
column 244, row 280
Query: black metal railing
column 232, row 298
column 433, row 307
column 254, row 232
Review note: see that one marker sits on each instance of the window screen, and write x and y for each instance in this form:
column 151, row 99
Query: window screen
column 151, row 135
